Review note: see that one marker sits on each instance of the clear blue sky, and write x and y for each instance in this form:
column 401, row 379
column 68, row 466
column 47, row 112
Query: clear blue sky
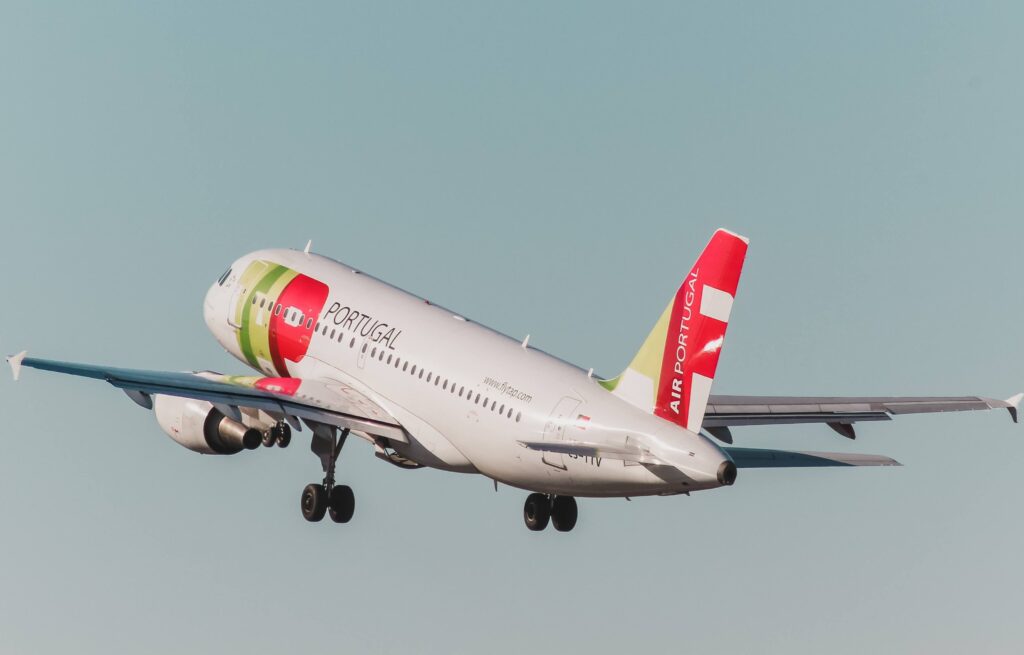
column 544, row 168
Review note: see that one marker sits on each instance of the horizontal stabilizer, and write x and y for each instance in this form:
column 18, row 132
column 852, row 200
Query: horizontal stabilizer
column 759, row 458
column 840, row 413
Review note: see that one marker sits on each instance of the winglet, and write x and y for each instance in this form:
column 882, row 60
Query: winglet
column 1014, row 403
column 15, row 362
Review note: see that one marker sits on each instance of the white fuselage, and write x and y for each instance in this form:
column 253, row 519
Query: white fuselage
column 486, row 392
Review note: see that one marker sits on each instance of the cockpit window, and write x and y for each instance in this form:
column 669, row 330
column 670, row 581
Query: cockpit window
column 223, row 278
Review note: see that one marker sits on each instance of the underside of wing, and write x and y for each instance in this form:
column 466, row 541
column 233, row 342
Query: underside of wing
column 315, row 401
column 838, row 412
column 754, row 458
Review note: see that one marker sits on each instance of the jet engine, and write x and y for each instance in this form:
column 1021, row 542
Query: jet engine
column 201, row 427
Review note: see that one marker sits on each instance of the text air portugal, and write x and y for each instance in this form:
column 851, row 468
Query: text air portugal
column 699, row 318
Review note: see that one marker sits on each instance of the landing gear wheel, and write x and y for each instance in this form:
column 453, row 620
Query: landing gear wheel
column 283, row 435
column 314, row 502
column 537, row 511
column 563, row 513
column 342, row 504
column 269, row 437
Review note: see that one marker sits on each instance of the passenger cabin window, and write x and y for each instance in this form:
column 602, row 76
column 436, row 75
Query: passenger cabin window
column 277, row 310
column 309, row 323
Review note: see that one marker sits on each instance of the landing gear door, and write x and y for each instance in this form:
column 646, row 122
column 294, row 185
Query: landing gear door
column 554, row 429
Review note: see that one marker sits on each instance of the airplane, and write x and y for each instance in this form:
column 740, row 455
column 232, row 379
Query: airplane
column 343, row 353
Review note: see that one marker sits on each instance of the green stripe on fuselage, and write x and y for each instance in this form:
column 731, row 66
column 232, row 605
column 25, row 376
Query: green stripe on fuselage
column 253, row 339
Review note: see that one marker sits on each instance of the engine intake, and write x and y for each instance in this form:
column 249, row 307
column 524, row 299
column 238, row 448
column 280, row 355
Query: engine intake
column 201, row 427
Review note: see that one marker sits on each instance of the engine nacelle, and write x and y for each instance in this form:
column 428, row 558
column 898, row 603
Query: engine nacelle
column 199, row 426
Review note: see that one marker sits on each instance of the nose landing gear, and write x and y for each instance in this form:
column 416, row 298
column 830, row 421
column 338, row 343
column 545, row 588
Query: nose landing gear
column 560, row 510
column 321, row 499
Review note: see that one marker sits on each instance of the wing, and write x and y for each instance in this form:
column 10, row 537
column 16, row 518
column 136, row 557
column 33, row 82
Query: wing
column 319, row 401
column 838, row 413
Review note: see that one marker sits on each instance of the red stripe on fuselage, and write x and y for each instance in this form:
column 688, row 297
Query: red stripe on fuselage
column 289, row 343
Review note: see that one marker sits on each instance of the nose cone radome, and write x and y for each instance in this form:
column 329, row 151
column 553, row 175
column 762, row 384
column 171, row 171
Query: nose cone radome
column 210, row 308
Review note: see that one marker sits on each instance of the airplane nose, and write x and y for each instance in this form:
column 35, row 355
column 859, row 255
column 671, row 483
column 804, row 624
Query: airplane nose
column 726, row 473
column 210, row 307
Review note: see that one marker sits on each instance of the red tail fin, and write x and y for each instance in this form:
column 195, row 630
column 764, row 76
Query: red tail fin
column 696, row 330
column 671, row 375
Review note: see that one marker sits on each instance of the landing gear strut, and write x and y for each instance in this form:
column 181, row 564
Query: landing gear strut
column 540, row 508
column 319, row 499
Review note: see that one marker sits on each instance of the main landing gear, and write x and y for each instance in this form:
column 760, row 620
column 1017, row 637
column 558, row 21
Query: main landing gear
column 540, row 508
column 280, row 434
column 321, row 499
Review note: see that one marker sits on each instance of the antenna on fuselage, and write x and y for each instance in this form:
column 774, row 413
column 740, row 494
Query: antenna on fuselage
column 526, row 342
column 309, row 244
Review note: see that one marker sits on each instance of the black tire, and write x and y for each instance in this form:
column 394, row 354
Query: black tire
column 269, row 437
column 537, row 511
column 314, row 502
column 342, row 504
column 284, row 436
column 564, row 513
